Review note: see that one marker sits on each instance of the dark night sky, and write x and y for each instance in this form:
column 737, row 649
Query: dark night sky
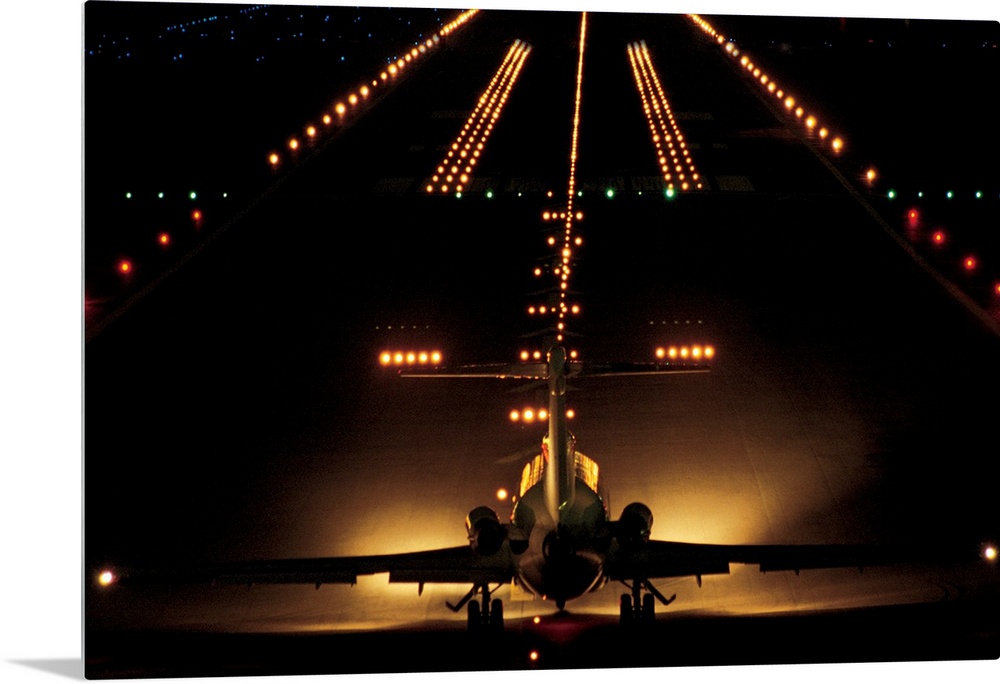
column 42, row 375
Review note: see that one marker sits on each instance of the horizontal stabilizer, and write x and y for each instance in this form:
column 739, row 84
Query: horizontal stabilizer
column 539, row 371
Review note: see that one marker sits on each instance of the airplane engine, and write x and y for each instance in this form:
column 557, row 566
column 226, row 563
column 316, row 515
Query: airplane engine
column 486, row 534
column 634, row 525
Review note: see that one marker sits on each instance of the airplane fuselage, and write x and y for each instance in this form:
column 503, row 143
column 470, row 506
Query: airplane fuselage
column 564, row 558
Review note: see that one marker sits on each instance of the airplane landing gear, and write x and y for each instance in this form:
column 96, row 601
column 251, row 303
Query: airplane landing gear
column 638, row 608
column 486, row 617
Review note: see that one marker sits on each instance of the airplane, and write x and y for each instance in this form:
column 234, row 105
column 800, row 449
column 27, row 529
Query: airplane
column 560, row 542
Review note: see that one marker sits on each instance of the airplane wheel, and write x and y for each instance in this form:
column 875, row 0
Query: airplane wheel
column 475, row 617
column 648, row 608
column 496, row 615
column 625, row 609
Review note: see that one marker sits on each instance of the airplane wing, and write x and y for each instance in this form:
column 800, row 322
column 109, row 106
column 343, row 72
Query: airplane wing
column 459, row 565
column 678, row 559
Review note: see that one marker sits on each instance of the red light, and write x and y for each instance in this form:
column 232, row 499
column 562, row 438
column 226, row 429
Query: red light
column 164, row 239
column 913, row 216
column 938, row 237
column 124, row 266
column 969, row 263
column 996, row 289
column 196, row 214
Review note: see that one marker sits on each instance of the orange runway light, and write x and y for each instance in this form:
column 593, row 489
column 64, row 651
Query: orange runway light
column 410, row 358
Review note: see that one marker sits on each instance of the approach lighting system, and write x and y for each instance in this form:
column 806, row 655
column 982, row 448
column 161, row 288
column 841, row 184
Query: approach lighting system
column 412, row 357
column 535, row 355
column 672, row 156
column 697, row 353
column 455, row 169
column 530, row 415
